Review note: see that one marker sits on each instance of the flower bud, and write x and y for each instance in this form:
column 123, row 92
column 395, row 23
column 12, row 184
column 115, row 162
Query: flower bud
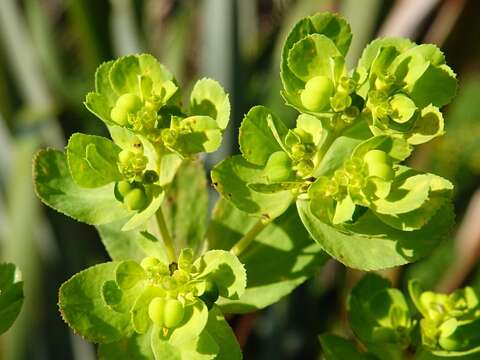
column 317, row 92
column 156, row 311
column 136, row 199
column 173, row 313
column 129, row 102
column 119, row 116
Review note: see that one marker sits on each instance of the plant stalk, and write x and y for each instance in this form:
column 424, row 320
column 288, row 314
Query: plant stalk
column 167, row 239
column 247, row 239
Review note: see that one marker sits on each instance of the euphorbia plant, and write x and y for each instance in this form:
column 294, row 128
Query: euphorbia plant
column 336, row 176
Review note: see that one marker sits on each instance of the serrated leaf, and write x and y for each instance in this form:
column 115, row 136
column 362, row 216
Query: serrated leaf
column 203, row 347
column 428, row 126
column 186, row 206
column 209, row 98
column 257, row 139
column 128, row 274
column 369, row 244
column 372, row 50
column 129, row 245
column 11, row 295
column 136, row 347
column 84, row 309
column 369, row 311
column 92, row 160
column 55, row 187
column 414, row 198
column 337, row 348
column 222, row 333
column 312, row 56
column 293, row 256
column 225, row 270
column 103, row 99
column 231, row 178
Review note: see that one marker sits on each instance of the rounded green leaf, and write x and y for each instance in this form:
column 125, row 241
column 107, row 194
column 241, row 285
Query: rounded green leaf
column 208, row 98
column 92, row 160
column 225, row 270
column 83, row 307
column 311, row 56
column 231, row 178
column 369, row 244
column 55, row 187
column 257, row 135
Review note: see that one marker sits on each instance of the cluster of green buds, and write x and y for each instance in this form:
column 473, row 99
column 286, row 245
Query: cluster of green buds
column 139, row 94
column 379, row 314
column 170, row 295
column 402, row 85
column 360, row 181
column 450, row 321
column 314, row 74
column 151, row 135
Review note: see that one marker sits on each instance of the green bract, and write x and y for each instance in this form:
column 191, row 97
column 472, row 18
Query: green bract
column 342, row 162
column 166, row 301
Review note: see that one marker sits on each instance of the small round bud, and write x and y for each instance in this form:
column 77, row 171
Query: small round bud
column 129, row 102
column 136, row 199
column 124, row 187
column 378, row 164
column 156, row 311
column 317, row 92
column 119, row 115
column 174, row 313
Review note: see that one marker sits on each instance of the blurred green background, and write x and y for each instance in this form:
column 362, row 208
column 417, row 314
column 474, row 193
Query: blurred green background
column 49, row 50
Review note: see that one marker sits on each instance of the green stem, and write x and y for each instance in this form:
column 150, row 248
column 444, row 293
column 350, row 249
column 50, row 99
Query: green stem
column 247, row 239
column 167, row 239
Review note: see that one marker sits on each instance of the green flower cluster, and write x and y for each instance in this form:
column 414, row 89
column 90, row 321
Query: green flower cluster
column 450, row 321
column 170, row 302
column 342, row 163
column 139, row 101
column 382, row 320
